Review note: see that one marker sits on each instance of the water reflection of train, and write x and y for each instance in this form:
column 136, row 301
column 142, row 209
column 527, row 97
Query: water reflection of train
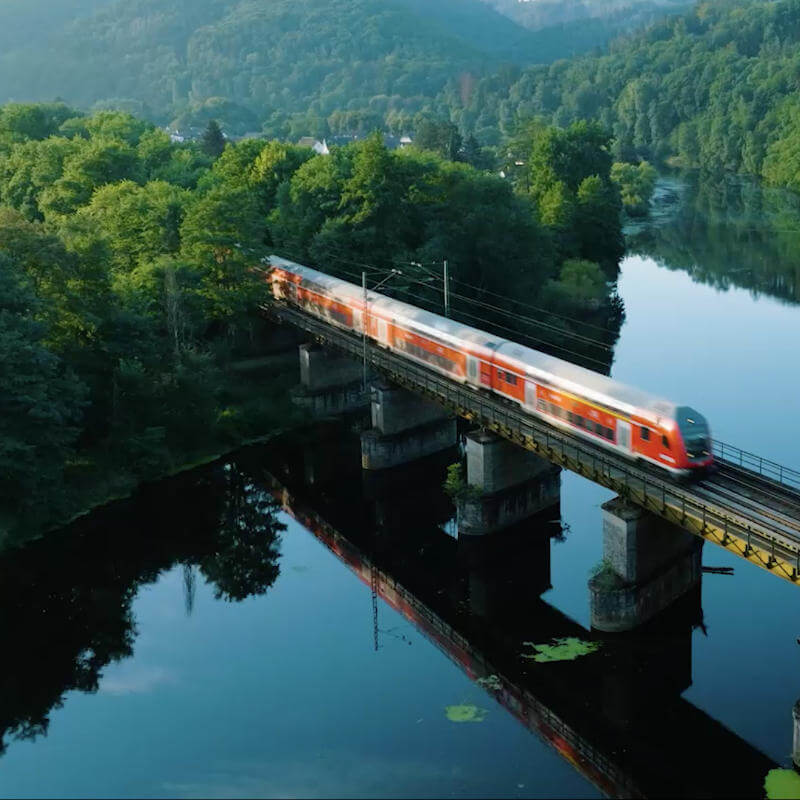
column 617, row 717
column 611, row 415
column 520, row 702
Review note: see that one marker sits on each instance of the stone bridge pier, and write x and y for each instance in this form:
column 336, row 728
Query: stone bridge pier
column 404, row 428
column 507, row 484
column 648, row 564
column 329, row 383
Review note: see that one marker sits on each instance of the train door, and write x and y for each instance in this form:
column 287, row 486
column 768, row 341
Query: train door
column 383, row 332
column 358, row 320
column 472, row 370
column 624, row 434
column 530, row 395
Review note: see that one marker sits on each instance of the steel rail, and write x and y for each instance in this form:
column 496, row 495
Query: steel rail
column 765, row 487
column 726, row 524
column 732, row 456
column 783, row 507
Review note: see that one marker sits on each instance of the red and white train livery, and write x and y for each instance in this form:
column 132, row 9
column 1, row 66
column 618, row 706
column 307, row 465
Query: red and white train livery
column 633, row 423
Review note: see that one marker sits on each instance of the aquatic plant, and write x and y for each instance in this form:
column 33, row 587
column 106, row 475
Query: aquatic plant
column 567, row 649
column 782, row 784
column 465, row 713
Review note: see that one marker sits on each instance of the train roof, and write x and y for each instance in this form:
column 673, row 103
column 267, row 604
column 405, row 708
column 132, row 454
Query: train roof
column 556, row 372
column 570, row 377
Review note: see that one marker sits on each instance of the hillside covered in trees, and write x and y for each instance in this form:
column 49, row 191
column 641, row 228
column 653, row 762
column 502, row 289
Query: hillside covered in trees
column 129, row 294
column 250, row 62
column 716, row 87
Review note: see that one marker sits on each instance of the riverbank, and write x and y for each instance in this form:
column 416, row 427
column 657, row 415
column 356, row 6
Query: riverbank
column 256, row 407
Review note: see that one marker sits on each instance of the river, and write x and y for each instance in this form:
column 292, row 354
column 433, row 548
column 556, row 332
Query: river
column 275, row 626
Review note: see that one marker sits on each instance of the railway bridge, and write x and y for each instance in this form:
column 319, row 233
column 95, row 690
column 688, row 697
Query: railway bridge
column 750, row 506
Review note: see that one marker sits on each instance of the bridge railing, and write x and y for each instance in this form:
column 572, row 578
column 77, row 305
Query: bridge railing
column 771, row 470
column 726, row 526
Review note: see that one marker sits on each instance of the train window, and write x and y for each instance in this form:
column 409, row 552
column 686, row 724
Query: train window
column 610, row 434
column 541, row 405
column 645, row 434
column 665, row 442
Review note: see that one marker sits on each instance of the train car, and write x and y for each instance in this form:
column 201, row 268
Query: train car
column 631, row 422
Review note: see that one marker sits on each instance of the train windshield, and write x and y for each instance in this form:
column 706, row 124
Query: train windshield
column 695, row 432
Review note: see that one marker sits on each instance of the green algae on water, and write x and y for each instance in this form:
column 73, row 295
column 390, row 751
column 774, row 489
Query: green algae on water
column 567, row 649
column 465, row 713
column 782, row 784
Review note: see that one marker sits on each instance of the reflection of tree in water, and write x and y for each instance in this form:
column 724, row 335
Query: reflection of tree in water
column 726, row 231
column 66, row 602
column 245, row 561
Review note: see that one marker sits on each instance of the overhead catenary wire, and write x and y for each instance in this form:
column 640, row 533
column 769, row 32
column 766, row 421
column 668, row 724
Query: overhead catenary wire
column 335, row 254
column 488, row 322
column 583, row 338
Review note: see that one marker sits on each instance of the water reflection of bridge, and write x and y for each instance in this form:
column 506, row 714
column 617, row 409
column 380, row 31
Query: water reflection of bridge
column 616, row 715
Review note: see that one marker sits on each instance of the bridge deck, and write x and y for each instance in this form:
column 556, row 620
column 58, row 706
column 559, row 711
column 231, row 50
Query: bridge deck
column 752, row 515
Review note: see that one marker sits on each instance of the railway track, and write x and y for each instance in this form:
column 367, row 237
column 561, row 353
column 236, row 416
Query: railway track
column 775, row 501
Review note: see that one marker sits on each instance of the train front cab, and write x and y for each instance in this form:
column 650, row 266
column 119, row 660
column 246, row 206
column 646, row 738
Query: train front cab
column 695, row 437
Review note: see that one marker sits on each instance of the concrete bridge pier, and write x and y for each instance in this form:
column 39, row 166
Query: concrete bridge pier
column 329, row 383
column 508, row 485
column 796, row 735
column 648, row 563
column 404, row 428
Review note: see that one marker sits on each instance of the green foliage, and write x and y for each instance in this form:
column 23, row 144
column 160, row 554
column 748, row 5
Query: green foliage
column 604, row 578
column 22, row 122
column 291, row 65
column 456, row 485
column 212, row 142
column 713, row 88
column 138, row 254
column 636, row 183
column 581, row 284
column 440, row 136
column 567, row 171
column 40, row 405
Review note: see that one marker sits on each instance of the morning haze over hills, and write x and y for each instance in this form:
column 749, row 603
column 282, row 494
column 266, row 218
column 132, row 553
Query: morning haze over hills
column 257, row 58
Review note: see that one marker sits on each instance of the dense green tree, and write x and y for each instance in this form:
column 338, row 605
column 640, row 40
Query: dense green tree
column 213, row 141
column 140, row 223
column 95, row 163
column 40, row 405
column 28, row 168
column 136, row 258
column 223, row 233
column 21, row 122
column 440, row 136
column 636, row 183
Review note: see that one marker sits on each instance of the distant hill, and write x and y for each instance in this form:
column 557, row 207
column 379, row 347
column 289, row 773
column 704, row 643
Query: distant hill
column 715, row 88
column 255, row 58
column 537, row 14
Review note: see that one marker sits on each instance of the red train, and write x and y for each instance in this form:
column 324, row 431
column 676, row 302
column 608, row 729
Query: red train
column 628, row 421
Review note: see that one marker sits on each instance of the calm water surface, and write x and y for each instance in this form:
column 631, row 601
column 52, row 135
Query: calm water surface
column 138, row 662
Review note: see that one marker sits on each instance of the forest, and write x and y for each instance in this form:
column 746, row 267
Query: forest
column 283, row 66
column 129, row 294
column 713, row 88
